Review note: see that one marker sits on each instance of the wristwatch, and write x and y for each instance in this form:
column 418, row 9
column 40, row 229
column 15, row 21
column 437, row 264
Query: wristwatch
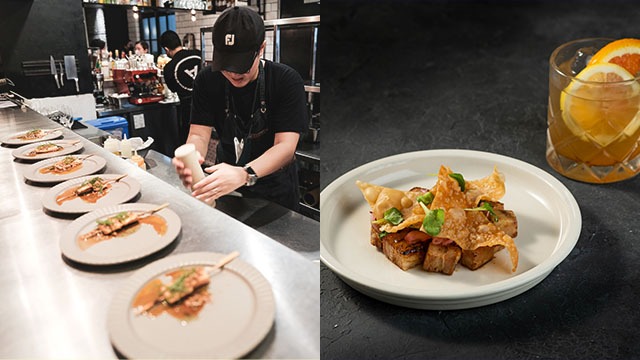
column 252, row 178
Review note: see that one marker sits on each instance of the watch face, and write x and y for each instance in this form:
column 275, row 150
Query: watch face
column 252, row 180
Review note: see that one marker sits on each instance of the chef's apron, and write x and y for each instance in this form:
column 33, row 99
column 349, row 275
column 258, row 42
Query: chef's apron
column 250, row 138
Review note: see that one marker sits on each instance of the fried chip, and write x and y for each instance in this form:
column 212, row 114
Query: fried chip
column 471, row 229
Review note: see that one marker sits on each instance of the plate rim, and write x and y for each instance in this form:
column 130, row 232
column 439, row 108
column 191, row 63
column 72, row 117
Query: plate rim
column 119, row 310
column 567, row 240
column 68, row 249
column 27, row 142
column 16, row 152
column 32, row 168
column 52, row 192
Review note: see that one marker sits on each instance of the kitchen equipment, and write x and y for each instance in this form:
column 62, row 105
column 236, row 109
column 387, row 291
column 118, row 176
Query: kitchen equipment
column 72, row 71
column 54, row 72
column 61, row 75
column 143, row 85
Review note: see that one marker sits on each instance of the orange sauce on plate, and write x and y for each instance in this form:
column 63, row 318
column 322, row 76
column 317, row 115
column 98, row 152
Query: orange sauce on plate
column 158, row 223
column 91, row 197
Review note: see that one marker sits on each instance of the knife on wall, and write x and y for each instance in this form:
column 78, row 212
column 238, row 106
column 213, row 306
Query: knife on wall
column 72, row 71
column 54, row 72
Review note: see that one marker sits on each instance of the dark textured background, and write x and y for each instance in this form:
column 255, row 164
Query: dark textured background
column 406, row 76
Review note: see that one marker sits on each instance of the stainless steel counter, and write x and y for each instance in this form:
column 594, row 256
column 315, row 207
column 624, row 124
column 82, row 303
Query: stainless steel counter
column 53, row 308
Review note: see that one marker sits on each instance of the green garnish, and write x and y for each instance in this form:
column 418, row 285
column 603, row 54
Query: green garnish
column 433, row 220
column 393, row 216
column 121, row 216
column 178, row 285
column 486, row 207
column 425, row 198
column 108, row 221
column 104, row 222
column 46, row 145
column 68, row 159
column 96, row 183
column 459, row 178
column 382, row 234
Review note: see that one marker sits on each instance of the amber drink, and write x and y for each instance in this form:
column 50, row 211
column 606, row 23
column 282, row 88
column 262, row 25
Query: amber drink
column 593, row 114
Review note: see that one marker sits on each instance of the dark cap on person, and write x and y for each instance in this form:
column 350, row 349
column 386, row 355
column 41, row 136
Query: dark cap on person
column 237, row 35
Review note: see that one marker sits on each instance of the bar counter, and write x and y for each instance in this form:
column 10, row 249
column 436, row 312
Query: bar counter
column 56, row 308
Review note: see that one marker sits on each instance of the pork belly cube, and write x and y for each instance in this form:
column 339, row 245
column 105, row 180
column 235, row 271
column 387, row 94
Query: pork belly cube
column 474, row 259
column 442, row 258
column 404, row 254
column 375, row 238
column 507, row 222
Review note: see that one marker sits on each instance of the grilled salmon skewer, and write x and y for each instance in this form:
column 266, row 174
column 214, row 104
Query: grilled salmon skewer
column 119, row 221
column 89, row 186
column 187, row 283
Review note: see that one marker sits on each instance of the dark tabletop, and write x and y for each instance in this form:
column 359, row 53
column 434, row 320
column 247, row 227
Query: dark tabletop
column 407, row 76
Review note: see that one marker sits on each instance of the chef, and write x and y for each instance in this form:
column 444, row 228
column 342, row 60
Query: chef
column 258, row 110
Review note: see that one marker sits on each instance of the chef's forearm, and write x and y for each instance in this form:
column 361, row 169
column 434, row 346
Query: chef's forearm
column 199, row 135
column 276, row 157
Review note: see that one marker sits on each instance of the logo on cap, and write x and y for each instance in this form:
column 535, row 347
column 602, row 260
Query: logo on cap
column 229, row 39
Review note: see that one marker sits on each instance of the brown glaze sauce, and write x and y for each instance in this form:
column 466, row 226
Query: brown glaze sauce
column 158, row 223
column 186, row 309
column 91, row 197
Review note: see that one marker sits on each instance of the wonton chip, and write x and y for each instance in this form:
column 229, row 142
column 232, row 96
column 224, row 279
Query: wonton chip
column 471, row 229
column 490, row 188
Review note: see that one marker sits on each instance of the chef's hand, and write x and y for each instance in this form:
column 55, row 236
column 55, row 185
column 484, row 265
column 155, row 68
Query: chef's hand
column 224, row 179
column 183, row 172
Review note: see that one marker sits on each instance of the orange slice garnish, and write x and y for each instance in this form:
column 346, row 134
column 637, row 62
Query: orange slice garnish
column 623, row 52
column 601, row 103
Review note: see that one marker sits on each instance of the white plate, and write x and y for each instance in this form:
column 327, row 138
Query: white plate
column 68, row 147
column 549, row 224
column 13, row 140
column 122, row 191
column 90, row 166
column 237, row 319
column 143, row 242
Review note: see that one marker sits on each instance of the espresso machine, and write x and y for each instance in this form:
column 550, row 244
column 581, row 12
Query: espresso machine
column 143, row 86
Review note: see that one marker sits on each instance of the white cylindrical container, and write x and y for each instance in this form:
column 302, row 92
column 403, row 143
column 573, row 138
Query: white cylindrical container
column 125, row 148
column 189, row 156
column 112, row 145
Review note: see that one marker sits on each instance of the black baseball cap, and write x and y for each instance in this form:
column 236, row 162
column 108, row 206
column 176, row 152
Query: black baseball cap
column 237, row 35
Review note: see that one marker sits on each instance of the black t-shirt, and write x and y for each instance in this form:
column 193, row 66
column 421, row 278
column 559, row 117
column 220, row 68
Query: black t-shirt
column 180, row 72
column 285, row 103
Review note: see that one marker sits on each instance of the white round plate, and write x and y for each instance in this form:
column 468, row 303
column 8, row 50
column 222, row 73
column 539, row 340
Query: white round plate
column 143, row 242
column 549, row 224
column 68, row 147
column 237, row 319
column 122, row 191
column 13, row 139
column 90, row 165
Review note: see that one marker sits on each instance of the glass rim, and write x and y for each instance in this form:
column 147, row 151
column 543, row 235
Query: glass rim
column 556, row 69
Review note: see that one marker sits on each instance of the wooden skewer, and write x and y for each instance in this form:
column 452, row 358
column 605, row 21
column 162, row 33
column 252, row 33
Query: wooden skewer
column 158, row 208
column 224, row 261
column 118, row 178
